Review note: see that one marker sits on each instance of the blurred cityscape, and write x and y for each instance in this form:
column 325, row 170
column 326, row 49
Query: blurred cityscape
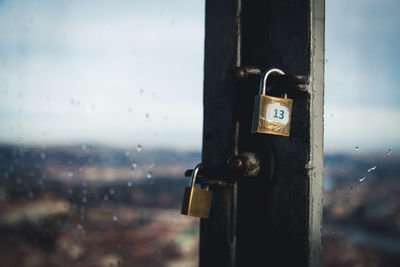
column 100, row 206
column 95, row 206
column 362, row 210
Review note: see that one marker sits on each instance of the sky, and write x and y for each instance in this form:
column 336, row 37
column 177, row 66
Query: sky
column 362, row 81
column 114, row 72
column 126, row 73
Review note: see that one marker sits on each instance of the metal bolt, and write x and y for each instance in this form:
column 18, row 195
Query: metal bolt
column 242, row 73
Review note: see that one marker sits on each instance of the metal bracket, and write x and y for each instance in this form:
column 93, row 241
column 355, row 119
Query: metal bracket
column 244, row 165
column 290, row 81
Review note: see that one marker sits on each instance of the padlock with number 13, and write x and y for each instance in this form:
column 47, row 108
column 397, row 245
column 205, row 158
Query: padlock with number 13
column 271, row 114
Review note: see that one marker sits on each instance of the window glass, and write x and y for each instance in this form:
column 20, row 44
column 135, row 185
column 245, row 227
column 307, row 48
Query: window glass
column 362, row 134
column 100, row 114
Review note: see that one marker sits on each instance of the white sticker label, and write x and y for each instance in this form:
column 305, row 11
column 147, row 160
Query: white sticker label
column 277, row 113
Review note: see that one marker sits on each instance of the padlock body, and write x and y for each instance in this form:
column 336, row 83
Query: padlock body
column 272, row 115
column 196, row 202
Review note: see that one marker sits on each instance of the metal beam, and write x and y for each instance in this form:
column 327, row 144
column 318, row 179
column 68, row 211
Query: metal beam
column 217, row 234
column 281, row 208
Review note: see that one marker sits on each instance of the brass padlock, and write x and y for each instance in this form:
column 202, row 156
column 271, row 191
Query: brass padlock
column 196, row 201
column 271, row 115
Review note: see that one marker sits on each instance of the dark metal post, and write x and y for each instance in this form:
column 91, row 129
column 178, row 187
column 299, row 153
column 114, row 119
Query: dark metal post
column 273, row 219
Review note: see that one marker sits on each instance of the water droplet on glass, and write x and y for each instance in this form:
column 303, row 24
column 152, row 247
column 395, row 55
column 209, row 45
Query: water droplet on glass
column 79, row 227
column 141, row 91
column 84, row 200
column 147, row 115
column 112, row 191
column 72, row 101
column 18, row 180
column 115, row 218
column 388, row 152
column 127, row 153
column 326, row 60
column 357, row 148
column 30, row 194
column 129, row 184
column 333, row 232
column 149, row 175
column 84, row 191
column 43, row 156
column 134, row 165
column 70, row 174
column 105, row 197
column 130, row 109
column 351, row 189
column 372, row 168
column 362, row 178
column 70, row 191
column 139, row 148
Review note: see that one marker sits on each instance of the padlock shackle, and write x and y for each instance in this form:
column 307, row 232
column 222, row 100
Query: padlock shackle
column 263, row 83
column 194, row 174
